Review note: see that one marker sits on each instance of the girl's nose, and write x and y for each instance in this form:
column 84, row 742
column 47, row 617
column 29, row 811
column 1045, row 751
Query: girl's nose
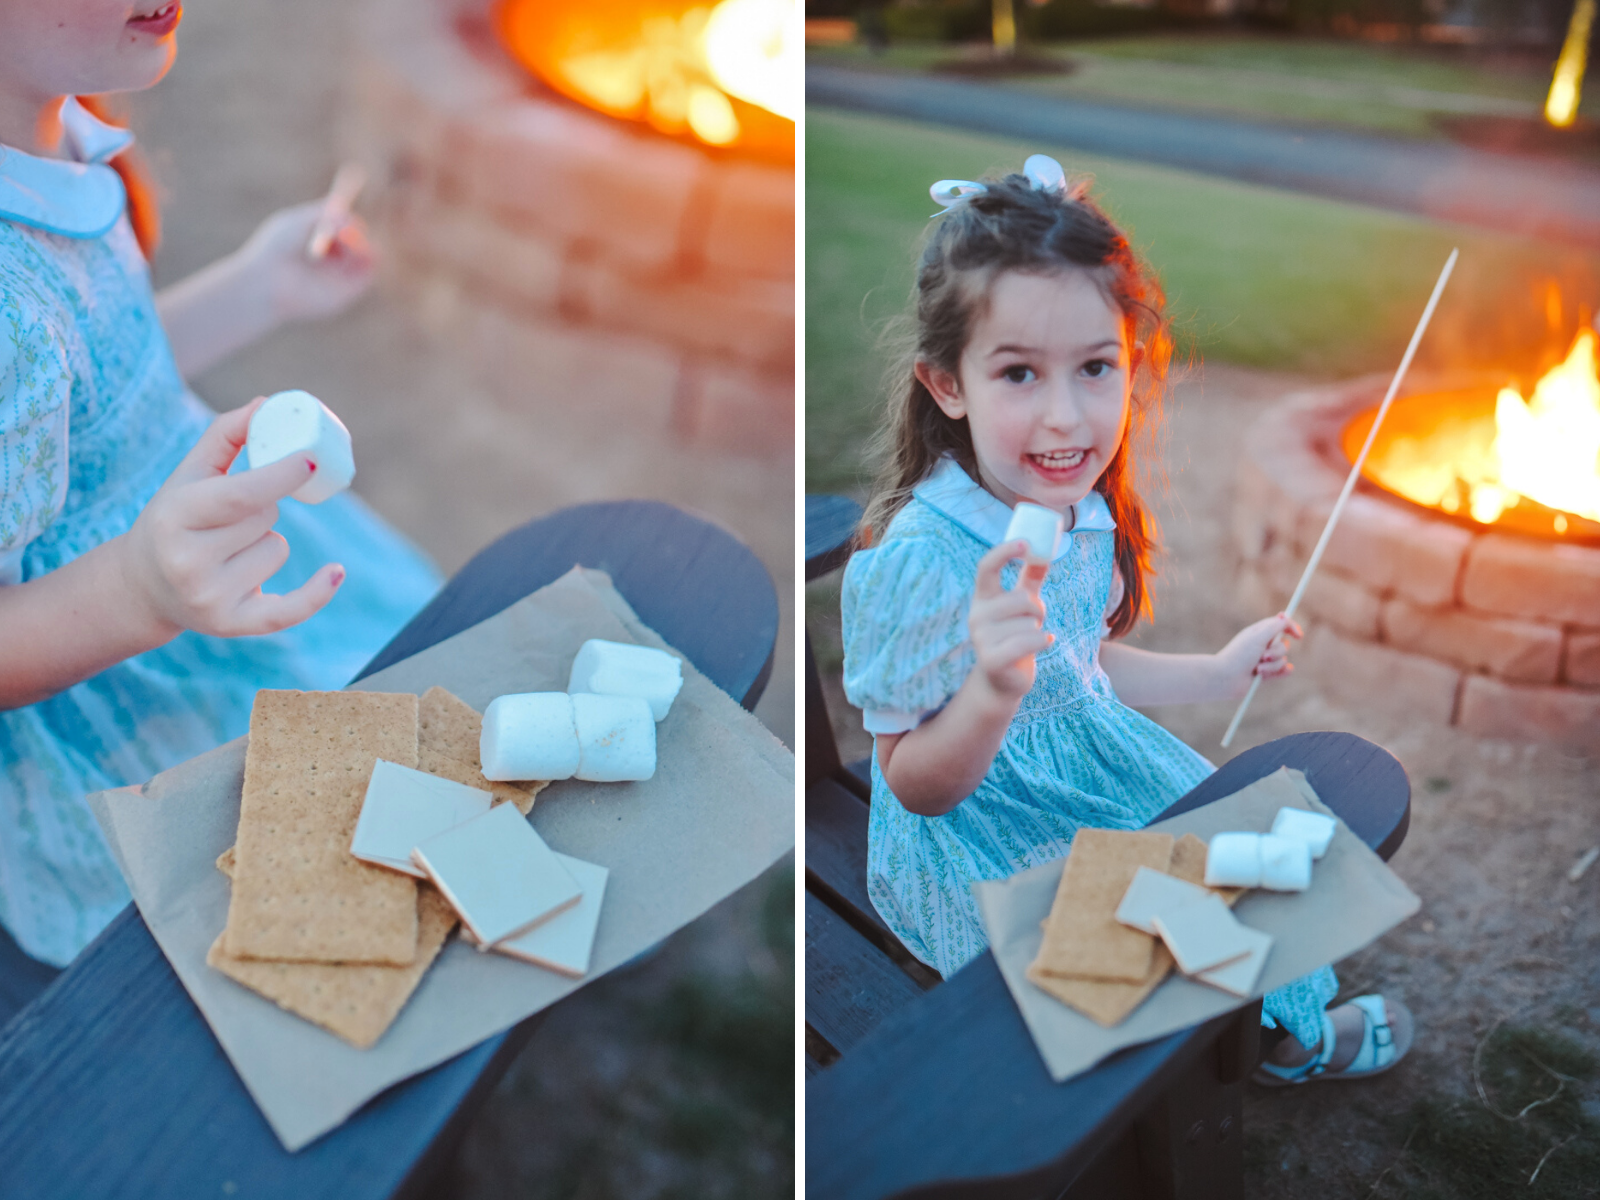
column 1063, row 409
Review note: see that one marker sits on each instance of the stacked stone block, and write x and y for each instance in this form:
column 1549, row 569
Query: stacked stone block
column 640, row 272
column 1493, row 632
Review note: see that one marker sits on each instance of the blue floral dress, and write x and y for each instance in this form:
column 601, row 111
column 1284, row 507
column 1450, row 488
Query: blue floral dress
column 1074, row 755
column 93, row 418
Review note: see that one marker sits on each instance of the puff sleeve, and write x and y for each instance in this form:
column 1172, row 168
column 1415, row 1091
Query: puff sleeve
column 906, row 647
column 35, row 401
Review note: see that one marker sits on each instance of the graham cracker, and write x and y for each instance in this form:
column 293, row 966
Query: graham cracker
column 298, row 893
column 1107, row 1002
column 1082, row 937
column 225, row 862
column 449, row 733
column 356, row 1001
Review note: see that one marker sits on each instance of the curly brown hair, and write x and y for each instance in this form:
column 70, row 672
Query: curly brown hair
column 1015, row 226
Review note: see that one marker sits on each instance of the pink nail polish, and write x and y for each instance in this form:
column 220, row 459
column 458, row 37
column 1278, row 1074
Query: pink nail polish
column 338, row 577
column 311, row 463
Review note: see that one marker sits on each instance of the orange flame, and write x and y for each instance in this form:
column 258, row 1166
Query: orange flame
column 1545, row 448
column 727, row 74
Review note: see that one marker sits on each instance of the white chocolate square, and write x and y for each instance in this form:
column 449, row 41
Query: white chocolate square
column 1202, row 935
column 1152, row 892
column 563, row 943
column 1239, row 976
column 498, row 875
column 1314, row 829
column 404, row 807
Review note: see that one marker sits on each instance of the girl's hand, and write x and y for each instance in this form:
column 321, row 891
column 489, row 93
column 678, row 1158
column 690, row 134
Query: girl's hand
column 1007, row 627
column 198, row 554
column 1258, row 649
column 296, row 287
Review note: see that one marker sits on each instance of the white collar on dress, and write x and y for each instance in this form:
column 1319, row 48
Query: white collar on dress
column 952, row 491
column 79, row 199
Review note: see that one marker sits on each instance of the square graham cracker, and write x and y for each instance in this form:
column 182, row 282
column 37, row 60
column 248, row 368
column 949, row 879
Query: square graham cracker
column 449, row 733
column 1082, row 936
column 298, row 894
column 1108, row 1003
column 356, row 1001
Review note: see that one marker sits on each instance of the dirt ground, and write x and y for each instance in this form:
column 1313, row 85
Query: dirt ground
column 662, row 1080
column 1495, row 828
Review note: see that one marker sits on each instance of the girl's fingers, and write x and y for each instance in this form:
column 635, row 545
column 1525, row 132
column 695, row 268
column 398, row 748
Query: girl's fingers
column 218, row 446
column 226, row 499
column 265, row 613
column 1021, row 645
column 254, row 565
column 224, row 542
column 1031, row 579
column 991, row 564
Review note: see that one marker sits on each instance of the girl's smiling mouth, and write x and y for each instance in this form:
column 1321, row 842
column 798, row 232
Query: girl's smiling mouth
column 1058, row 464
column 160, row 22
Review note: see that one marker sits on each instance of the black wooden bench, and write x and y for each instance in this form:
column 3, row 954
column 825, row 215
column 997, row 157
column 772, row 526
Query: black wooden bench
column 111, row 1084
column 938, row 1091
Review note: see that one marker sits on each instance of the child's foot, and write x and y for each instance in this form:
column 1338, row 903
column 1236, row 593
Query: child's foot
column 1362, row 1038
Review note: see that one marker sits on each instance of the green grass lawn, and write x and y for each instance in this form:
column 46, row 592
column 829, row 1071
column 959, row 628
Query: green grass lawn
column 1254, row 276
column 1389, row 89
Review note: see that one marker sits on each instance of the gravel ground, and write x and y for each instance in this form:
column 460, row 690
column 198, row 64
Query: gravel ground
column 1503, row 935
column 673, row 1077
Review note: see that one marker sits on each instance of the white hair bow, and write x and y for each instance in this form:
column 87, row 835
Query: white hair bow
column 1043, row 172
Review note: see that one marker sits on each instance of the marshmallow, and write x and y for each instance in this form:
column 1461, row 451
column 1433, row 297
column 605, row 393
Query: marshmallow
column 1234, row 860
column 1285, row 863
column 531, row 736
column 616, row 737
column 297, row 422
column 1040, row 527
column 1314, row 829
column 620, row 669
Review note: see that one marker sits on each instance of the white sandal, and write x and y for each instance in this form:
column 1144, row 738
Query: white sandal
column 1386, row 1036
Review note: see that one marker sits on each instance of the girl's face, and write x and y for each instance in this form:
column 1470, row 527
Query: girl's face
column 55, row 48
column 1044, row 383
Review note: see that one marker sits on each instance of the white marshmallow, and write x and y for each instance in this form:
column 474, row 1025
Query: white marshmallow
column 1314, row 829
column 531, row 735
column 616, row 737
column 297, row 422
column 1040, row 527
column 1285, row 863
column 620, row 669
column 1234, row 860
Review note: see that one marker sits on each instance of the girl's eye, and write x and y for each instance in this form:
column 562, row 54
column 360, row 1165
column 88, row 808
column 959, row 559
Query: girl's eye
column 1096, row 367
column 1018, row 374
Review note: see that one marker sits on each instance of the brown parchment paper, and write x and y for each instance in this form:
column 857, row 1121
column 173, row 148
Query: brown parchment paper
column 718, row 812
column 1354, row 899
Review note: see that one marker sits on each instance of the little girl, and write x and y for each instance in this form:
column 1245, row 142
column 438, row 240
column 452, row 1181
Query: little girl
column 131, row 559
column 995, row 691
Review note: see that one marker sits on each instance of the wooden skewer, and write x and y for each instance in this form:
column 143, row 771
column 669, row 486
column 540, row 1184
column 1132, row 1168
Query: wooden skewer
column 347, row 185
column 1350, row 480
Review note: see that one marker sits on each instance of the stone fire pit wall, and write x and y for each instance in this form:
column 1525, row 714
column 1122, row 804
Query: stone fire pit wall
column 1496, row 633
column 615, row 266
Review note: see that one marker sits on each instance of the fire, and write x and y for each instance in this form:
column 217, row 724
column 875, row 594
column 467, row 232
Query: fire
column 1456, row 453
column 728, row 74
column 1548, row 447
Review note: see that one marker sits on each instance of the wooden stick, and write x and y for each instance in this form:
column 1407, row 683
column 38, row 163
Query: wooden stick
column 1350, row 479
column 347, row 185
